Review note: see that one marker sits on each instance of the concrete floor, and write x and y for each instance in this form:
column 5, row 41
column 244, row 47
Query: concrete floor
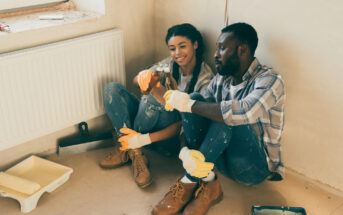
column 93, row 191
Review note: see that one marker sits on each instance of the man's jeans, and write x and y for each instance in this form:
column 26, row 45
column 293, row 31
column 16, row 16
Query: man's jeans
column 145, row 116
column 235, row 150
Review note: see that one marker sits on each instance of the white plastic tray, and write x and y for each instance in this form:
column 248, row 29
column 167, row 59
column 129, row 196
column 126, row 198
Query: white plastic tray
column 47, row 174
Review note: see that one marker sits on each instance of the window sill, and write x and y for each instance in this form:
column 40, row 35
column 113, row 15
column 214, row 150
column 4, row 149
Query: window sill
column 33, row 22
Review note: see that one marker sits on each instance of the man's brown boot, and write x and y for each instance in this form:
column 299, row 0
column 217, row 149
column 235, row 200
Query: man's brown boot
column 208, row 194
column 115, row 159
column 141, row 172
column 175, row 199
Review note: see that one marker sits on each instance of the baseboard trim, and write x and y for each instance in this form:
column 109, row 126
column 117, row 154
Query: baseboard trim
column 316, row 183
column 47, row 145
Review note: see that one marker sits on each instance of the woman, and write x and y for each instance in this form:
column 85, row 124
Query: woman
column 146, row 122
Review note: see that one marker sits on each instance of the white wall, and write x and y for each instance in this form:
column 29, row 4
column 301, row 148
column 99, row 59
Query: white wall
column 91, row 5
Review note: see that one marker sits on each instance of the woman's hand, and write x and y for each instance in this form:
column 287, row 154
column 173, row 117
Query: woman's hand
column 144, row 78
column 133, row 139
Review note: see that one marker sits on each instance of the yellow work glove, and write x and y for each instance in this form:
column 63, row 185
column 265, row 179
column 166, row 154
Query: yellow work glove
column 146, row 82
column 179, row 100
column 194, row 163
column 133, row 139
column 166, row 97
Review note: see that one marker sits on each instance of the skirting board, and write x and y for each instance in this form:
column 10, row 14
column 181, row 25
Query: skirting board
column 46, row 145
column 315, row 183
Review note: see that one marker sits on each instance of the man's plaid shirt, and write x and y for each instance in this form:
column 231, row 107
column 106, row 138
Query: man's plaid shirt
column 259, row 103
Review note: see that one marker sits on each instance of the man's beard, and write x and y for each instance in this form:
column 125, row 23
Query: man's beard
column 231, row 67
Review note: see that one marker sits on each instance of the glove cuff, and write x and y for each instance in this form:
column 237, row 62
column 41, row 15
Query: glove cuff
column 145, row 138
column 184, row 153
column 189, row 105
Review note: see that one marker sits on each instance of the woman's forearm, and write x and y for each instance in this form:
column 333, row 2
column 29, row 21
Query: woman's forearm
column 158, row 93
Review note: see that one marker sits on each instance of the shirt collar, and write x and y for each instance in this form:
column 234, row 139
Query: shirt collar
column 254, row 67
column 252, row 70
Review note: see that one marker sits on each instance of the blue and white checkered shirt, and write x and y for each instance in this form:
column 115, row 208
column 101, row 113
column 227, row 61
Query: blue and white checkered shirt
column 259, row 102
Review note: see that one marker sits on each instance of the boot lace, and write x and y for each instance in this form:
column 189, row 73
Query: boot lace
column 139, row 162
column 113, row 153
column 110, row 156
column 176, row 190
column 139, row 166
column 201, row 189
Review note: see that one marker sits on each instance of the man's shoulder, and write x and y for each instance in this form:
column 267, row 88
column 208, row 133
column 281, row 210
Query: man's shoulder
column 267, row 78
column 266, row 72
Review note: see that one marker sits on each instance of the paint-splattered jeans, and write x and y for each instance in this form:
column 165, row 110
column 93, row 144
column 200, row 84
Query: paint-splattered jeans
column 235, row 150
column 144, row 116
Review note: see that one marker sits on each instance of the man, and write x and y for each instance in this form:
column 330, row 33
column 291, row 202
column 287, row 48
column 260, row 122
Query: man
column 235, row 125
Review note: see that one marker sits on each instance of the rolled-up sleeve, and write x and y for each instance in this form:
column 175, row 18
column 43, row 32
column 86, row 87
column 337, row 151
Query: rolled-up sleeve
column 208, row 93
column 267, row 92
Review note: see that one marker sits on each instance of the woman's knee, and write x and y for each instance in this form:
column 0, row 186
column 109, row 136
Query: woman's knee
column 110, row 90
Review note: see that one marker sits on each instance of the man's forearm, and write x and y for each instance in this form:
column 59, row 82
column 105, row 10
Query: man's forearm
column 209, row 110
column 166, row 133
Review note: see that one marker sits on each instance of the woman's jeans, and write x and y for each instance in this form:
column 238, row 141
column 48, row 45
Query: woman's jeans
column 145, row 116
column 235, row 150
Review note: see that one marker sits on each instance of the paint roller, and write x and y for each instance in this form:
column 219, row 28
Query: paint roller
column 83, row 141
column 16, row 183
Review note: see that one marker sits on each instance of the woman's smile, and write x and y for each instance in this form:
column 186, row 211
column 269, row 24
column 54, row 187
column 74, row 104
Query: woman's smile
column 182, row 50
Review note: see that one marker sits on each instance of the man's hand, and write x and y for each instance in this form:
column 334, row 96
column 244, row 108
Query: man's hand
column 178, row 100
column 133, row 139
column 194, row 163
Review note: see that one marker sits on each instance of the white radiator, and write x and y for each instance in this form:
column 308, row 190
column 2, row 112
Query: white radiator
column 51, row 87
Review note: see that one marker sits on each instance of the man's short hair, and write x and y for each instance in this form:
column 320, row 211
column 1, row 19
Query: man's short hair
column 245, row 33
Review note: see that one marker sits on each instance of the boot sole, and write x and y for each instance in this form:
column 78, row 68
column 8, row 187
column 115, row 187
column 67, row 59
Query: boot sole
column 150, row 181
column 114, row 167
column 215, row 202
column 218, row 200
column 145, row 185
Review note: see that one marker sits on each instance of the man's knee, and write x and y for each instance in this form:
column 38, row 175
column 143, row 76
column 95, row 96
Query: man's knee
column 248, row 173
column 187, row 116
column 196, row 96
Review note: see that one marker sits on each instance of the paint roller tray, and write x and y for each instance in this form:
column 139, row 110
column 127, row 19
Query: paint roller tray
column 276, row 210
column 47, row 174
